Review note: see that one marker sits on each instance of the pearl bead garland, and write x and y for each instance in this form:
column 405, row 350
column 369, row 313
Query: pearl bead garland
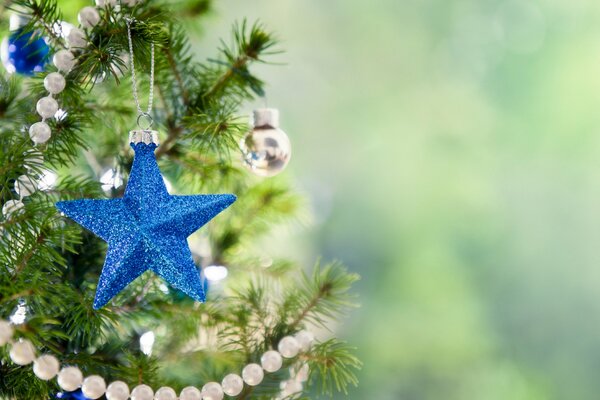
column 93, row 387
column 46, row 367
column 47, row 107
column 232, row 385
column 118, row 390
column 70, row 378
column 165, row 393
column 288, row 347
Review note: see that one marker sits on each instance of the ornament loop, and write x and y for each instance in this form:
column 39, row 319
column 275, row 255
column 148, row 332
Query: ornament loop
column 144, row 117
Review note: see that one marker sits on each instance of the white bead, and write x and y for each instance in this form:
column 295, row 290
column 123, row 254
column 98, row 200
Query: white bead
column 118, row 390
column 253, row 374
column 212, row 391
column 271, row 361
column 54, row 82
column 288, row 347
column 46, row 107
column 165, row 393
column 12, row 207
column 88, row 17
column 142, row 392
column 46, row 367
column 291, row 387
column 76, row 39
column 70, row 378
column 190, row 393
column 39, row 132
column 93, row 387
column 305, row 340
column 33, row 157
column 25, row 186
column 22, row 352
column 232, row 385
column 6, row 332
column 64, row 60
column 301, row 374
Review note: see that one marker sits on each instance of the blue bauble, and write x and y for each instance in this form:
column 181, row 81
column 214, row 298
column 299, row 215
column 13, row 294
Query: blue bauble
column 76, row 395
column 25, row 53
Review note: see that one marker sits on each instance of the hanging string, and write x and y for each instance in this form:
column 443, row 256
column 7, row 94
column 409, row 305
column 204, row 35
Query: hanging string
column 141, row 114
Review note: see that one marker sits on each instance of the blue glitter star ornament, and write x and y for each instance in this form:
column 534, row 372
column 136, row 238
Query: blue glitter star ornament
column 147, row 228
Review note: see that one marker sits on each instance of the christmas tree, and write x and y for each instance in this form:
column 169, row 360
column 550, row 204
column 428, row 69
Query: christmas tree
column 66, row 108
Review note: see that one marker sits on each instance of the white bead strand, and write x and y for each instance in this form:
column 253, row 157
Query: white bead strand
column 212, row 391
column 39, row 132
column 232, row 385
column 54, row 83
column 118, row 390
column 46, row 367
column 88, row 17
column 64, row 60
column 271, row 361
column 22, row 352
column 288, row 347
column 12, row 207
column 305, row 340
column 46, row 107
column 190, row 393
column 165, row 393
column 93, row 387
column 142, row 392
column 76, row 39
column 70, row 378
column 253, row 374
column 6, row 332
column 25, row 186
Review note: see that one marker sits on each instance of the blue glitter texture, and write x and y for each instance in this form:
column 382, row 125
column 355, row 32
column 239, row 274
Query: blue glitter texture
column 147, row 229
column 27, row 54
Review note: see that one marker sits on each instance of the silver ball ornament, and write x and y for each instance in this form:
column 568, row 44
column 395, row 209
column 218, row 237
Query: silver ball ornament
column 22, row 352
column 6, row 332
column 232, row 385
column 64, row 60
column 271, row 361
column 142, row 392
column 253, row 374
column 54, row 82
column 46, row 367
column 39, row 132
column 70, row 378
column 212, row 391
column 88, row 17
column 118, row 390
column 190, row 393
column 93, row 387
column 46, row 107
column 266, row 148
column 288, row 347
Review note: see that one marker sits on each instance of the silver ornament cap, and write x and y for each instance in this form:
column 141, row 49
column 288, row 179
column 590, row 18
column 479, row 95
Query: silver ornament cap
column 266, row 118
column 143, row 136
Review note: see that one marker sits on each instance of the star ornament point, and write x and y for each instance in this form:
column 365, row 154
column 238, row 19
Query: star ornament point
column 146, row 229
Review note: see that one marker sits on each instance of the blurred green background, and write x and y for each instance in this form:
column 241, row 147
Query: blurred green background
column 450, row 152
